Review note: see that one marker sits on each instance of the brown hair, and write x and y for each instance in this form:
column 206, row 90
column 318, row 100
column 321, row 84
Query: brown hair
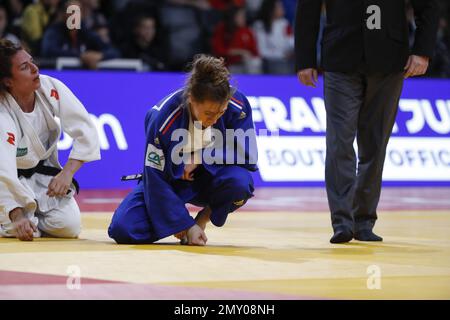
column 209, row 80
column 7, row 50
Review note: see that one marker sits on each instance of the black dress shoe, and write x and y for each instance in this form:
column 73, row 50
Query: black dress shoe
column 341, row 236
column 367, row 235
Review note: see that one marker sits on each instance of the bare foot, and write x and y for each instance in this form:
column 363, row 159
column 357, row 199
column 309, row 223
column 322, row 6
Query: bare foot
column 202, row 217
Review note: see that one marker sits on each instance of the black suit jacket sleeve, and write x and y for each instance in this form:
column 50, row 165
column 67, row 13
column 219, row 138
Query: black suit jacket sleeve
column 307, row 23
column 426, row 14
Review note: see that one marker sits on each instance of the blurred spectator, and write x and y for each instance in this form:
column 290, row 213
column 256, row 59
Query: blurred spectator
column 4, row 32
column 123, row 21
column 91, row 16
column 36, row 17
column 275, row 38
column 185, row 29
column 142, row 44
column 235, row 41
column 189, row 27
column 101, row 29
column 14, row 8
column 59, row 41
column 207, row 17
column 289, row 9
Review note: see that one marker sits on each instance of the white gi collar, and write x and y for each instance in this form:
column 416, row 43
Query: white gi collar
column 29, row 131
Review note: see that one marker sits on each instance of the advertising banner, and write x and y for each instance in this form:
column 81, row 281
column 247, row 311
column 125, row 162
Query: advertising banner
column 290, row 121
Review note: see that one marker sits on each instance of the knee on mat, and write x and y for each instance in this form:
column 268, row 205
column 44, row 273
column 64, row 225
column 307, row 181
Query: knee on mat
column 67, row 227
column 129, row 233
column 120, row 233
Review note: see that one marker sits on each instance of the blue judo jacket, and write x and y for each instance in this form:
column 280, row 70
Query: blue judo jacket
column 164, row 204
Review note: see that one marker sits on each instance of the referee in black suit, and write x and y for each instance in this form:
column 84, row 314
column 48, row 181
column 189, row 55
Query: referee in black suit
column 365, row 58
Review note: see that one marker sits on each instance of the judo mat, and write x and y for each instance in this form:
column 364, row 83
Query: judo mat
column 276, row 247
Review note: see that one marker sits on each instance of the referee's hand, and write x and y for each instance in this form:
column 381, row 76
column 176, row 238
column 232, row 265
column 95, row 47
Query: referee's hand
column 308, row 77
column 416, row 66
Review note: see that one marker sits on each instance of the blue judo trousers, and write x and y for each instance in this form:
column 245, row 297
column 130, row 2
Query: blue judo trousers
column 156, row 208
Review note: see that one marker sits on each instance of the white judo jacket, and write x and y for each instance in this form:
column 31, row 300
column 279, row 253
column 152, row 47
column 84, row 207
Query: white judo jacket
column 21, row 148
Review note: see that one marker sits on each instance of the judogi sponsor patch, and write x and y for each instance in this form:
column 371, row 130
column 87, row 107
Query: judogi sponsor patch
column 21, row 152
column 11, row 138
column 154, row 157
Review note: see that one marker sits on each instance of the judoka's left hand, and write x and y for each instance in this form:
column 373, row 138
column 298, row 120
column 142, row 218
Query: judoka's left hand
column 60, row 184
column 196, row 236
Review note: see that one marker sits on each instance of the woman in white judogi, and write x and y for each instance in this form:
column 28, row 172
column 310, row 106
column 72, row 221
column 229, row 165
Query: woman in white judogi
column 34, row 196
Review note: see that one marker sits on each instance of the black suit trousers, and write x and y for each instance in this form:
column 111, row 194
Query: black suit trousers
column 361, row 106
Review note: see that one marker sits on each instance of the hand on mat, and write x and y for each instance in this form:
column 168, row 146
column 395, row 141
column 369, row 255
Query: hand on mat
column 308, row 77
column 416, row 66
column 23, row 227
column 196, row 236
column 60, row 184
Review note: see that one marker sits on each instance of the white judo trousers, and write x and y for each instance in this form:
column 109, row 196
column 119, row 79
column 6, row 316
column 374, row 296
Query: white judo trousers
column 21, row 148
column 64, row 221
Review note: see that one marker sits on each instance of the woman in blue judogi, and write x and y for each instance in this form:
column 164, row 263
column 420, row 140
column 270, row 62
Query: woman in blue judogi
column 201, row 149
